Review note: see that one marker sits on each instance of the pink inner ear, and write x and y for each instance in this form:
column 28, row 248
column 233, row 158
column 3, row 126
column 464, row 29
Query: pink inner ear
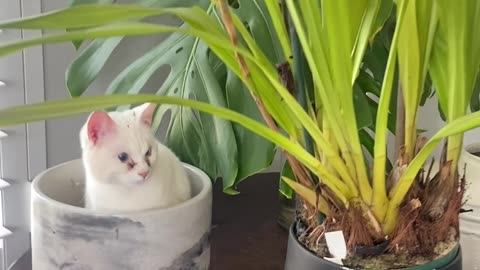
column 146, row 112
column 99, row 126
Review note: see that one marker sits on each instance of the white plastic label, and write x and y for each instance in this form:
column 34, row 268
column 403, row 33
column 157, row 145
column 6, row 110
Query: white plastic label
column 336, row 244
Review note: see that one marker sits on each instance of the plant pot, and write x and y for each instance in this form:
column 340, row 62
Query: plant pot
column 67, row 236
column 471, row 163
column 300, row 258
column 470, row 221
column 286, row 213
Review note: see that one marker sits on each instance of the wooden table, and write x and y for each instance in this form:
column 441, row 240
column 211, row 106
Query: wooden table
column 245, row 235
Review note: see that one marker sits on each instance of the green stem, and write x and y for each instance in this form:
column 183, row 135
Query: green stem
column 358, row 158
column 454, row 149
column 303, row 82
column 380, row 199
column 410, row 131
column 280, row 28
column 330, row 102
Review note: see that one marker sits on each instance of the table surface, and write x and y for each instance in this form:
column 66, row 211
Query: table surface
column 245, row 235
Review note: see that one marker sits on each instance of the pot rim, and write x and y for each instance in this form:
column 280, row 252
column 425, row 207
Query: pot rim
column 201, row 196
column 467, row 149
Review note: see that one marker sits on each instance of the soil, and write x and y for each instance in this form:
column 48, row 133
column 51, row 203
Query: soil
column 399, row 260
column 386, row 261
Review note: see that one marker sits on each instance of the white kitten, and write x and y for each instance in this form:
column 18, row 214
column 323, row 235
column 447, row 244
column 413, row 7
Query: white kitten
column 126, row 168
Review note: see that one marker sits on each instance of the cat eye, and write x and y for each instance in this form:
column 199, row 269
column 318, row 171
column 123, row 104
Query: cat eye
column 123, row 157
column 149, row 152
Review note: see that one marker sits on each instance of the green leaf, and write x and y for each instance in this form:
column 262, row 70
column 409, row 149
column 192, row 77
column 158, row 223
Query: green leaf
column 279, row 23
column 456, row 55
column 414, row 46
column 230, row 191
column 287, row 172
column 62, row 108
column 384, row 13
column 455, row 63
column 82, row 16
column 191, row 77
column 309, row 195
column 428, row 91
column 120, row 29
column 254, row 153
column 254, row 14
column 363, row 116
column 475, row 100
column 78, row 43
column 85, row 68
column 185, row 54
column 83, row 71
column 381, row 123
column 368, row 143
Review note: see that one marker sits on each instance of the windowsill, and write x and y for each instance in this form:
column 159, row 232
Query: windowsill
column 24, row 263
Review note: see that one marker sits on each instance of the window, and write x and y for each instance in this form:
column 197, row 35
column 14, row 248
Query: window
column 22, row 147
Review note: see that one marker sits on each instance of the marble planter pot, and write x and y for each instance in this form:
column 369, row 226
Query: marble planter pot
column 66, row 236
column 471, row 164
column 470, row 221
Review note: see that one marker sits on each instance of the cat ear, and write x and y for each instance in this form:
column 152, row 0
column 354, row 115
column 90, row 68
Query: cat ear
column 99, row 125
column 146, row 112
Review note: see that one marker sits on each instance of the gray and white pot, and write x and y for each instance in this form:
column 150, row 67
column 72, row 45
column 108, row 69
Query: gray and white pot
column 470, row 221
column 67, row 236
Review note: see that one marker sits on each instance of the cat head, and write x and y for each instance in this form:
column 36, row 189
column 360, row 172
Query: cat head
column 119, row 147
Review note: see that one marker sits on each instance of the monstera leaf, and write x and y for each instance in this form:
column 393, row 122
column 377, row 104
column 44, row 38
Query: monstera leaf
column 218, row 147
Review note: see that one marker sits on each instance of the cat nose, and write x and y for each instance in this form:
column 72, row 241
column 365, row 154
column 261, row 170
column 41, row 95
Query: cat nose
column 143, row 174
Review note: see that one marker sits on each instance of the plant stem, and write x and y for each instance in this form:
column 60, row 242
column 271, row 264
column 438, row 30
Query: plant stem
column 454, row 149
column 357, row 154
column 331, row 181
column 279, row 24
column 302, row 83
column 400, row 122
column 380, row 199
column 410, row 131
column 227, row 20
column 316, row 59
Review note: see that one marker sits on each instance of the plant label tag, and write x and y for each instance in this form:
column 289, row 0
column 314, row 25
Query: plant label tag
column 336, row 244
column 334, row 260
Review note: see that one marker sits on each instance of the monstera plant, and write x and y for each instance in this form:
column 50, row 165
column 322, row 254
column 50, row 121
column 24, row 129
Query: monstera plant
column 195, row 73
column 406, row 216
column 227, row 150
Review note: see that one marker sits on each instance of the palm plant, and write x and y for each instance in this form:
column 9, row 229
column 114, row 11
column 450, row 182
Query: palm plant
column 318, row 128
